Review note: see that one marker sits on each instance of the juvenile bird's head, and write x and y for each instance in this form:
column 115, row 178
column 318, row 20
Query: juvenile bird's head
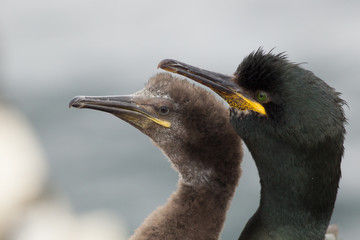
column 187, row 122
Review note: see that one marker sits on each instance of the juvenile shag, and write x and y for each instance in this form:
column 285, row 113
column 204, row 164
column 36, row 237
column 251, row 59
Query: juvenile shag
column 201, row 145
column 293, row 124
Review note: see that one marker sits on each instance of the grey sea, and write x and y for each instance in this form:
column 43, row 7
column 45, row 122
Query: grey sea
column 55, row 50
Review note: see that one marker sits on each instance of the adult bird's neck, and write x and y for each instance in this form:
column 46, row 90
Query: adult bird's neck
column 190, row 213
column 298, row 190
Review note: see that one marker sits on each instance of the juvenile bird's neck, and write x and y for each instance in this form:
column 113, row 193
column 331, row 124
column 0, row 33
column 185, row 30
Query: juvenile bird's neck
column 298, row 191
column 198, row 207
column 190, row 213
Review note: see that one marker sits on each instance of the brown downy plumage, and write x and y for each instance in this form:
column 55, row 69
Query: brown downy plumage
column 200, row 144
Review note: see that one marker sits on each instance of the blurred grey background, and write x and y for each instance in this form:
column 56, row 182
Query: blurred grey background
column 54, row 50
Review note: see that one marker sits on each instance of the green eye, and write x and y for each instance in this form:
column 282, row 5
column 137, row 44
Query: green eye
column 262, row 96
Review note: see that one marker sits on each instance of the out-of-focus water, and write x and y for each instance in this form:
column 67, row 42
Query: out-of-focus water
column 54, row 50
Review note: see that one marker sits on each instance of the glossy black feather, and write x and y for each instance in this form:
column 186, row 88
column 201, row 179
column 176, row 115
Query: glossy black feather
column 297, row 147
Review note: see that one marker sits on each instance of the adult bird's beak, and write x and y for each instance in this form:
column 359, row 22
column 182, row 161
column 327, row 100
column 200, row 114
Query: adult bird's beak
column 222, row 84
column 125, row 107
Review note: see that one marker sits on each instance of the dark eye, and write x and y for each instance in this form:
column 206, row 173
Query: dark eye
column 163, row 110
column 262, row 96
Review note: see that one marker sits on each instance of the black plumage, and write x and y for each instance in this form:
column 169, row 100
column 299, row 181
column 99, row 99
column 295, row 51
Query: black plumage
column 293, row 124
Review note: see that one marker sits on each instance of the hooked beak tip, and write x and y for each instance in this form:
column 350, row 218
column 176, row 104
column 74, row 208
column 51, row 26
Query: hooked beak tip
column 165, row 63
column 171, row 65
column 76, row 102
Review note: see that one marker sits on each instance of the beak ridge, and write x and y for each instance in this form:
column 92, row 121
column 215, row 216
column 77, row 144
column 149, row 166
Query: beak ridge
column 222, row 84
column 122, row 106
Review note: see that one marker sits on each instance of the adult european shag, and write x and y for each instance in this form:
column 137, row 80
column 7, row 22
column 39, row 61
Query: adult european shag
column 293, row 124
column 201, row 145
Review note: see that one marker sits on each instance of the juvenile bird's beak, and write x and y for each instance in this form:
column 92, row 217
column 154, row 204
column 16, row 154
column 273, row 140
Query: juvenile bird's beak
column 222, row 84
column 124, row 107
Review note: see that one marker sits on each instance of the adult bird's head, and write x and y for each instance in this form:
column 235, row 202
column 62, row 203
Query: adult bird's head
column 293, row 124
column 274, row 97
column 174, row 114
